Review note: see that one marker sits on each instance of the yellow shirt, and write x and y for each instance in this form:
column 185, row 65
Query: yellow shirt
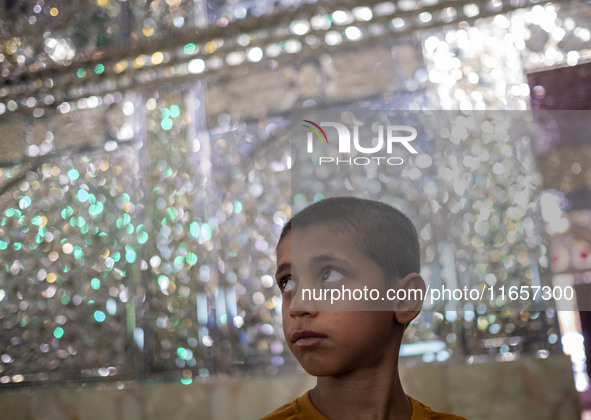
column 303, row 409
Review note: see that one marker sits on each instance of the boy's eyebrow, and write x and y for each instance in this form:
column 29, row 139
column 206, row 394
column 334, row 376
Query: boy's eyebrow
column 282, row 267
column 319, row 259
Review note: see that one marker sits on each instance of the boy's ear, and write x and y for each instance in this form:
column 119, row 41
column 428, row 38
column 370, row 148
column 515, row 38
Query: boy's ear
column 409, row 308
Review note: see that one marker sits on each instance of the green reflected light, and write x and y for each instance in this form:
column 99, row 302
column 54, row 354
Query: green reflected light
column 166, row 124
column 82, row 195
column 194, row 229
column 99, row 316
column 182, row 353
column 172, row 213
column 78, row 252
column 130, row 254
column 175, row 111
column 190, row 49
column 67, row 212
column 73, row 174
column 95, row 209
column 191, row 259
column 142, row 237
column 179, row 262
column 206, row 231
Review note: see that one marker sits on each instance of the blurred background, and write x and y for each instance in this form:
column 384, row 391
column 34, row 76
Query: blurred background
column 145, row 177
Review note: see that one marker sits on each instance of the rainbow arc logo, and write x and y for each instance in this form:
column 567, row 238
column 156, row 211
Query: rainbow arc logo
column 315, row 128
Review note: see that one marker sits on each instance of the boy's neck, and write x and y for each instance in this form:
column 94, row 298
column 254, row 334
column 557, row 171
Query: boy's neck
column 375, row 394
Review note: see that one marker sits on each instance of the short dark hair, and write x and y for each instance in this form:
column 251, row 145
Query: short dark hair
column 385, row 233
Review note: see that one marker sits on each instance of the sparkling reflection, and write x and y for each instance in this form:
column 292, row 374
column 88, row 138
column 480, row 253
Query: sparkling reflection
column 142, row 193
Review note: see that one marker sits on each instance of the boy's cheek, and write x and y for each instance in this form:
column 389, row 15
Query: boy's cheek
column 343, row 297
column 286, row 303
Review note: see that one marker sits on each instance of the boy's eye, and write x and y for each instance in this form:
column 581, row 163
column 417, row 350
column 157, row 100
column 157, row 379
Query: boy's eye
column 331, row 275
column 287, row 284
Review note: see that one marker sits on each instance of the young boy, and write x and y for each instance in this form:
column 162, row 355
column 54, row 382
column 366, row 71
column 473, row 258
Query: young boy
column 349, row 243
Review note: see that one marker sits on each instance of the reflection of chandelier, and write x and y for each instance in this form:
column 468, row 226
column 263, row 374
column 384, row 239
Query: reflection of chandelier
column 59, row 49
column 120, row 47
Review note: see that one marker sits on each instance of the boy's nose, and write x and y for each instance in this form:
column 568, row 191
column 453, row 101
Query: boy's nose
column 300, row 306
column 302, row 312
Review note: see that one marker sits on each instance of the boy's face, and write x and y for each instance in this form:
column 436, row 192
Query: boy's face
column 330, row 342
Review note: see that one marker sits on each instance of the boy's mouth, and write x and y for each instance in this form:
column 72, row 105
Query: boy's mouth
column 306, row 338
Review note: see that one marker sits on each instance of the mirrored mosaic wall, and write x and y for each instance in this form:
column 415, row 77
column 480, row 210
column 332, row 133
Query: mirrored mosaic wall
column 144, row 167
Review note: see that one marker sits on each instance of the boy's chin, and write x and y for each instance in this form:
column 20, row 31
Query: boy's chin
column 320, row 370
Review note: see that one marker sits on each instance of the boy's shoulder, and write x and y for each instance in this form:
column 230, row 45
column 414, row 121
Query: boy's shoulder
column 299, row 409
column 303, row 409
column 422, row 412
